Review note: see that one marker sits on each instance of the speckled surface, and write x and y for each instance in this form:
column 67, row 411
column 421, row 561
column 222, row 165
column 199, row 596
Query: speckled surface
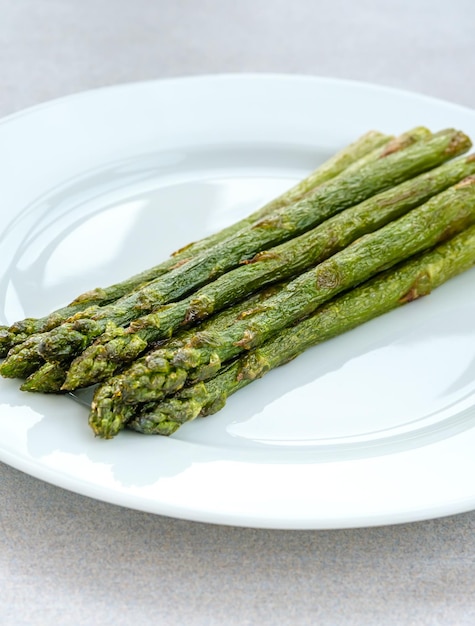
column 66, row 559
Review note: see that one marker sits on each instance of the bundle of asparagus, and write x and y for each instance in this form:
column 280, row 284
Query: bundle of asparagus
column 173, row 342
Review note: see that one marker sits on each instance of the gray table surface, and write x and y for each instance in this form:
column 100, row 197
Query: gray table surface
column 67, row 559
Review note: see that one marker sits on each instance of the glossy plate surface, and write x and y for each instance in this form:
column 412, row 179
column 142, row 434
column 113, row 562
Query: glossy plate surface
column 374, row 427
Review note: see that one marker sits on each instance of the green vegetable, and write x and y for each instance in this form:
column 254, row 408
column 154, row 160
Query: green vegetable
column 49, row 378
column 65, row 341
column 368, row 147
column 415, row 278
column 114, row 348
column 438, row 219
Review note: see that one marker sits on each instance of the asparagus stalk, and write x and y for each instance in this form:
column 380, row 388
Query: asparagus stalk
column 114, row 348
column 49, row 378
column 440, row 218
column 67, row 340
column 368, row 147
column 394, row 288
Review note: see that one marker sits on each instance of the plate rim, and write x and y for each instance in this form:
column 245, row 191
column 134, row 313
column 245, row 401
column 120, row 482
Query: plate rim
column 232, row 76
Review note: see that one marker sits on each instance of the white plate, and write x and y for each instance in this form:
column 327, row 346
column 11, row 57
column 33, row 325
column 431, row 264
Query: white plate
column 374, row 427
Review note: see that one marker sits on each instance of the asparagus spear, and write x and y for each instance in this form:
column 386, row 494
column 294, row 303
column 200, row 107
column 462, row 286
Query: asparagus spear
column 114, row 348
column 49, row 378
column 411, row 280
column 369, row 147
column 67, row 340
column 440, row 218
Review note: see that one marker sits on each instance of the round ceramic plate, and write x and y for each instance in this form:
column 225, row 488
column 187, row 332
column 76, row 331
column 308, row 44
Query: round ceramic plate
column 376, row 426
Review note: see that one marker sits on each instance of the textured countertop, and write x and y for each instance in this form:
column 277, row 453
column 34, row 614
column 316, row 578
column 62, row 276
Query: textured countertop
column 66, row 559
